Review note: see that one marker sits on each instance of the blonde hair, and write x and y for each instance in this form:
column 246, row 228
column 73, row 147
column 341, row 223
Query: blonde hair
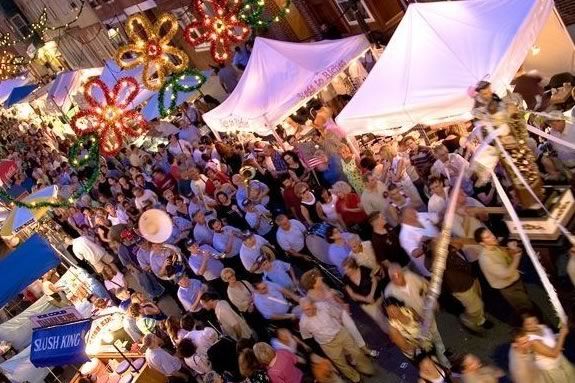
column 388, row 151
column 341, row 187
column 225, row 272
column 264, row 353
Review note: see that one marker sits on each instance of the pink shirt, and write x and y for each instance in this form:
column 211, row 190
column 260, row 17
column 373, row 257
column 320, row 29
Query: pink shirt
column 284, row 369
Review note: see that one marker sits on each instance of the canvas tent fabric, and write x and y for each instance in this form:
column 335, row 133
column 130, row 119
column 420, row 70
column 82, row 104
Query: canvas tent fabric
column 19, row 369
column 24, row 265
column 437, row 53
column 18, row 94
column 18, row 330
column 68, row 83
column 7, row 86
column 279, row 78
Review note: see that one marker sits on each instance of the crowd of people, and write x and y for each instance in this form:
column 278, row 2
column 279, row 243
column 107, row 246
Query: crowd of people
column 258, row 305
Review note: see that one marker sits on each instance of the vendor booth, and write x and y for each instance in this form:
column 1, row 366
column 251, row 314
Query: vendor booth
column 280, row 78
column 437, row 53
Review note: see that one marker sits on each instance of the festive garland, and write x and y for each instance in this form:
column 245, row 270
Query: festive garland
column 221, row 28
column 39, row 27
column 110, row 120
column 252, row 13
column 10, row 65
column 91, row 160
column 176, row 84
column 153, row 50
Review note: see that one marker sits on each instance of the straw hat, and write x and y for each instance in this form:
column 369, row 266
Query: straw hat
column 155, row 226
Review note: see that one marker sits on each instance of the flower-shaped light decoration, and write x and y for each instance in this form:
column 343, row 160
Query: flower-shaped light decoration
column 110, row 119
column 186, row 81
column 221, row 28
column 154, row 51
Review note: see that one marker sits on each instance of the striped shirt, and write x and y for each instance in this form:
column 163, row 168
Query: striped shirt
column 422, row 160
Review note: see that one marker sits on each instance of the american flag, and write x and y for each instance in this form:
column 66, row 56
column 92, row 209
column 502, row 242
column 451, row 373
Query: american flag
column 314, row 162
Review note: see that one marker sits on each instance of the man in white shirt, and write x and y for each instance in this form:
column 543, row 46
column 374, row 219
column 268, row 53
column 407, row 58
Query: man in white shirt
column 190, row 292
column 203, row 262
column 251, row 251
column 272, row 302
column 161, row 360
column 84, row 248
column 437, row 203
column 144, row 197
column 258, row 217
column 407, row 287
column 372, row 199
column 415, row 228
column 226, row 239
column 195, row 359
column 116, row 216
column 202, row 233
column 322, row 322
column 566, row 132
column 291, row 235
column 447, row 164
column 231, row 323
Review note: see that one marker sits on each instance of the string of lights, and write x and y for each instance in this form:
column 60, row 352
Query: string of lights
column 252, row 12
column 39, row 27
column 89, row 161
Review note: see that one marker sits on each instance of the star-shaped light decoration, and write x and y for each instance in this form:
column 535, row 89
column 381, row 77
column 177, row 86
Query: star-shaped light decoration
column 109, row 118
column 153, row 50
column 221, row 28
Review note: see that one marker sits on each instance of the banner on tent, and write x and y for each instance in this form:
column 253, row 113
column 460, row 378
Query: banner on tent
column 321, row 79
column 235, row 123
column 60, row 345
column 53, row 318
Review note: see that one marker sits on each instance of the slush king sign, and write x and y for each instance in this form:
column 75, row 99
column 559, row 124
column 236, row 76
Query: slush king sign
column 60, row 345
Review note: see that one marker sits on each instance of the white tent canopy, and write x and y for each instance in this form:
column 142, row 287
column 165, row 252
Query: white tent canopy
column 438, row 51
column 279, row 78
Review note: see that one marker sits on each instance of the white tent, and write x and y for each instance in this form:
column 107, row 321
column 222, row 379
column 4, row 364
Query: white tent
column 437, row 53
column 279, row 78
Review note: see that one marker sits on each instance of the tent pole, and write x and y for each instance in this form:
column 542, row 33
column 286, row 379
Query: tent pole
column 54, row 375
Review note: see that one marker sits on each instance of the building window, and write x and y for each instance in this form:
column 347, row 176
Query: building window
column 346, row 8
column 185, row 17
column 20, row 25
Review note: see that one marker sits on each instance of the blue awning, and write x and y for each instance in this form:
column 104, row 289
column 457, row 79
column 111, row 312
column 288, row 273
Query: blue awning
column 60, row 345
column 24, row 265
column 18, row 94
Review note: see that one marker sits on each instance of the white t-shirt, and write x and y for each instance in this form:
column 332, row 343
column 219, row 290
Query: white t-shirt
column 294, row 238
column 147, row 196
column 279, row 274
column 412, row 294
column 410, row 238
column 220, row 241
column 214, row 266
column 323, row 326
column 265, row 224
column 249, row 255
column 188, row 295
column 162, row 361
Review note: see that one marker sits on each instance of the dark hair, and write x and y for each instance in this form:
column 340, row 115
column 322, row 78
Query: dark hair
column 329, row 233
column 373, row 216
column 209, row 296
column 211, row 223
column 478, row 234
column 433, row 180
column 283, row 177
column 187, row 322
column 368, row 163
column 392, row 301
column 186, row 348
column 292, row 154
column 482, row 85
column 529, row 314
column 248, row 362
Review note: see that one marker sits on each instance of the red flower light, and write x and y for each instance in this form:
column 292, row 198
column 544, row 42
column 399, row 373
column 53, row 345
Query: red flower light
column 220, row 30
column 109, row 119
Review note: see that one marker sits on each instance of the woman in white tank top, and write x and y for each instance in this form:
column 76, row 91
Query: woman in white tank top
column 547, row 349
